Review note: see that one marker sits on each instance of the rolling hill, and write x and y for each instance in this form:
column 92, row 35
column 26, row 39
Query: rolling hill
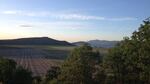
column 79, row 43
column 98, row 43
column 34, row 41
column 103, row 43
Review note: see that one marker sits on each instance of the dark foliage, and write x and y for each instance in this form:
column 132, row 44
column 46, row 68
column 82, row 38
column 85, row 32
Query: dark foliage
column 129, row 62
column 11, row 74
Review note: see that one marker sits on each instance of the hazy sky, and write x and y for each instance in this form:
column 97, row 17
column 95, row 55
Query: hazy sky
column 72, row 20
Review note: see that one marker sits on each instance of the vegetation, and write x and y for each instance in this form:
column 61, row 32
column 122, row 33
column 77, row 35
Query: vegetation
column 7, row 68
column 22, row 76
column 52, row 74
column 79, row 66
column 11, row 74
column 127, row 63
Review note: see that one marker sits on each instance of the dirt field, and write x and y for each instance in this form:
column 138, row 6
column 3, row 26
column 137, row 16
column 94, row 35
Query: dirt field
column 36, row 59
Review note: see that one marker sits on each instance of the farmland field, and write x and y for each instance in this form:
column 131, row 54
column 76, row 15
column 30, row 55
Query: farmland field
column 38, row 59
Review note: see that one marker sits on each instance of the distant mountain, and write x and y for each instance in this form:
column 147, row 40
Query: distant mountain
column 34, row 41
column 97, row 43
column 79, row 43
column 103, row 43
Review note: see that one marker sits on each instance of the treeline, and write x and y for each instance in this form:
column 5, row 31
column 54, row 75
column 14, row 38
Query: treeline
column 127, row 63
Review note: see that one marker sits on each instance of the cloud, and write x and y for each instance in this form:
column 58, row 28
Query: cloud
column 68, row 25
column 121, row 19
column 66, row 16
column 61, row 25
column 9, row 12
column 26, row 25
column 78, row 17
column 27, row 13
column 88, row 17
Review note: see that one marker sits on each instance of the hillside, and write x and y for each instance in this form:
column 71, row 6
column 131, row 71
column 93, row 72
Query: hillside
column 103, row 43
column 34, row 41
column 36, row 58
column 79, row 43
column 98, row 43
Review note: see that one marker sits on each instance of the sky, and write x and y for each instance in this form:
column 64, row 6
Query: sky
column 72, row 20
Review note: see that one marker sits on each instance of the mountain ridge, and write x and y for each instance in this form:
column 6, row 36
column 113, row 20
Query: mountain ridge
column 34, row 41
column 98, row 43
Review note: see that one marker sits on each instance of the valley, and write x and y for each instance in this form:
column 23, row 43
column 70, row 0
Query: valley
column 37, row 59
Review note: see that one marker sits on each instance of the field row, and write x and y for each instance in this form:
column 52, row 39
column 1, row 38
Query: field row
column 31, row 59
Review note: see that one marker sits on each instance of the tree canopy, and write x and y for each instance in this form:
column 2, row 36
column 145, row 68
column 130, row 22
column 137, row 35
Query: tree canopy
column 10, row 73
column 129, row 62
column 7, row 68
column 78, row 67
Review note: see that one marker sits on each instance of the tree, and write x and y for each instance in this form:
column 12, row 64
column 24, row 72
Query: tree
column 7, row 68
column 38, row 80
column 128, row 63
column 10, row 74
column 142, row 39
column 52, row 75
column 22, row 76
column 99, row 75
column 78, row 67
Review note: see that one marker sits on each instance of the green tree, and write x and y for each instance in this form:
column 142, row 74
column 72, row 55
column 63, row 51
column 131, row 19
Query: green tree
column 10, row 74
column 38, row 80
column 79, row 66
column 128, row 63
column 22, row 76
column 52, row 75
column 142, row 39
column 99, row 75
column 7, row 68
